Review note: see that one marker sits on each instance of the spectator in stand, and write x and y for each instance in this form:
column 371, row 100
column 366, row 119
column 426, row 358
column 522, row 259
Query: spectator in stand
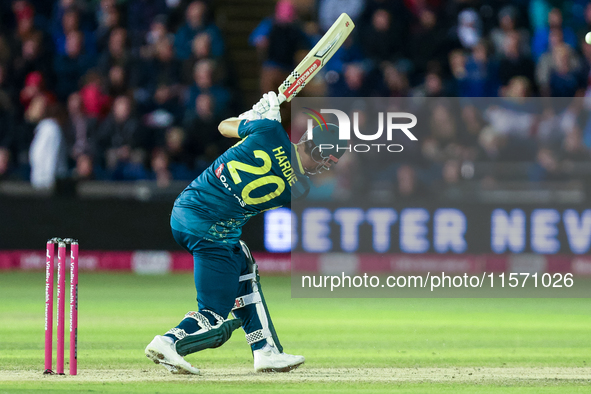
column 514, row 116
column 72, row 66
column 382, row 33
column 517, row 89
column 164, row 69
column 330, row 10
column 416, row 7
column 353, row 83
column 285, row 39
column 118, row 134
column 43, row 10
column 422, row 48
column 538, row 11
column 507, row 29
column 565, row 80
column 24, row 131
column 197, row 22
column 48, row 149
column 31, row 59
column 84, row 169
column 468, row 32
column 117, row 63
column 181, row 161
column 396, row 81
column 547, row 62
column 541, row 38
column 24, row 14
column 206, row 81
column 514, row 62
column 259, row 38
column 428, row 44
column 60, row 7
column 408, row 187
column 158, row 32
column 451, row 172
column 71, row 24
column 163, row 111
column 479, row 76
column 546, row 167
column 200, row 50
column 441, row 144
column 117, row 81
column 433, row 86
column 93, row 95
column 203, row 140
column 473, row 124
column 164, row 171
column 141, row 14
column 34, row 86
column 117, row 53
column 79, row 129
column 101, row 12
column 160, row 171
column 109, row 20
column 511, row 124
column 29, row 41
column 573, row 147
column 125, row 164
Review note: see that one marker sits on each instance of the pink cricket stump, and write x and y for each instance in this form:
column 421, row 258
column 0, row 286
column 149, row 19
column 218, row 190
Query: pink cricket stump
column 61, row 306
column 49, row 267
column 73, row 308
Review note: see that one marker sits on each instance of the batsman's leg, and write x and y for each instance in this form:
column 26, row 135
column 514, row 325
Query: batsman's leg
column 251, row 308
column 216, row 280
column 162, row 351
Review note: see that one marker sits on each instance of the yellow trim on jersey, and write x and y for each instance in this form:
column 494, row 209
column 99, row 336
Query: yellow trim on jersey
column 300, row 167
column 239, row 142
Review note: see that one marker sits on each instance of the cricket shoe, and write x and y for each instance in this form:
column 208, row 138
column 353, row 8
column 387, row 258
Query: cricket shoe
column 268, row 359
column 162, row 351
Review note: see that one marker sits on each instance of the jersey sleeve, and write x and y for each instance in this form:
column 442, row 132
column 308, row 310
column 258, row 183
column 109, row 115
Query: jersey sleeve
column 248, row 127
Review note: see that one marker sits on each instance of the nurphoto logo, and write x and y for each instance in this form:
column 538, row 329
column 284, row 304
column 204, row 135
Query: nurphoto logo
column 392, row 120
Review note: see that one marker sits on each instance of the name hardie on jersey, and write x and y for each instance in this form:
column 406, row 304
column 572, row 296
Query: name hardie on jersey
column 285, row 165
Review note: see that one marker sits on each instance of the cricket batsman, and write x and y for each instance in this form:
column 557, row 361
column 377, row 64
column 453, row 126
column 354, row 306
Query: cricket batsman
column 262, row 171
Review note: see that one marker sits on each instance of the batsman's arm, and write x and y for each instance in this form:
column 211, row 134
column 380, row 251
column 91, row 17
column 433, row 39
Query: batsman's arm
column 229, row 127
column 266, row 108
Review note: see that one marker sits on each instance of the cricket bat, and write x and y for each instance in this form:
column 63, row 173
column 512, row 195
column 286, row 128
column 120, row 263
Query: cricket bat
column 316, row 58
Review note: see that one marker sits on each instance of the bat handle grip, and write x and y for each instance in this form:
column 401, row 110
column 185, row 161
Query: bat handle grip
column 281, row 98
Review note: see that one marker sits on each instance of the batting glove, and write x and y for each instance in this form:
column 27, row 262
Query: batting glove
column 250, row 115
column 273, row 112
column 268, row 107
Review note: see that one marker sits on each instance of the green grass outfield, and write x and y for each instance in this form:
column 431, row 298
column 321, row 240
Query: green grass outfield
column 351, row 345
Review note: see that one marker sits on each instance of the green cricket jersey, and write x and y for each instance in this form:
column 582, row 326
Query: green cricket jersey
column 261, row 172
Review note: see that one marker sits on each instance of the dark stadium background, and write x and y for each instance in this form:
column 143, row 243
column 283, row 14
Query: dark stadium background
column 136, row 88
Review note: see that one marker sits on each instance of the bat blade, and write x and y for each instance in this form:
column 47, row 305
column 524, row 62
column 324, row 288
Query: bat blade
column 316, row 58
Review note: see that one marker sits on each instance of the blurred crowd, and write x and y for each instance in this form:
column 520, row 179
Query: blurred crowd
column 113, row 90
column 500, row 142
column 419, row 53
column 134, row 89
